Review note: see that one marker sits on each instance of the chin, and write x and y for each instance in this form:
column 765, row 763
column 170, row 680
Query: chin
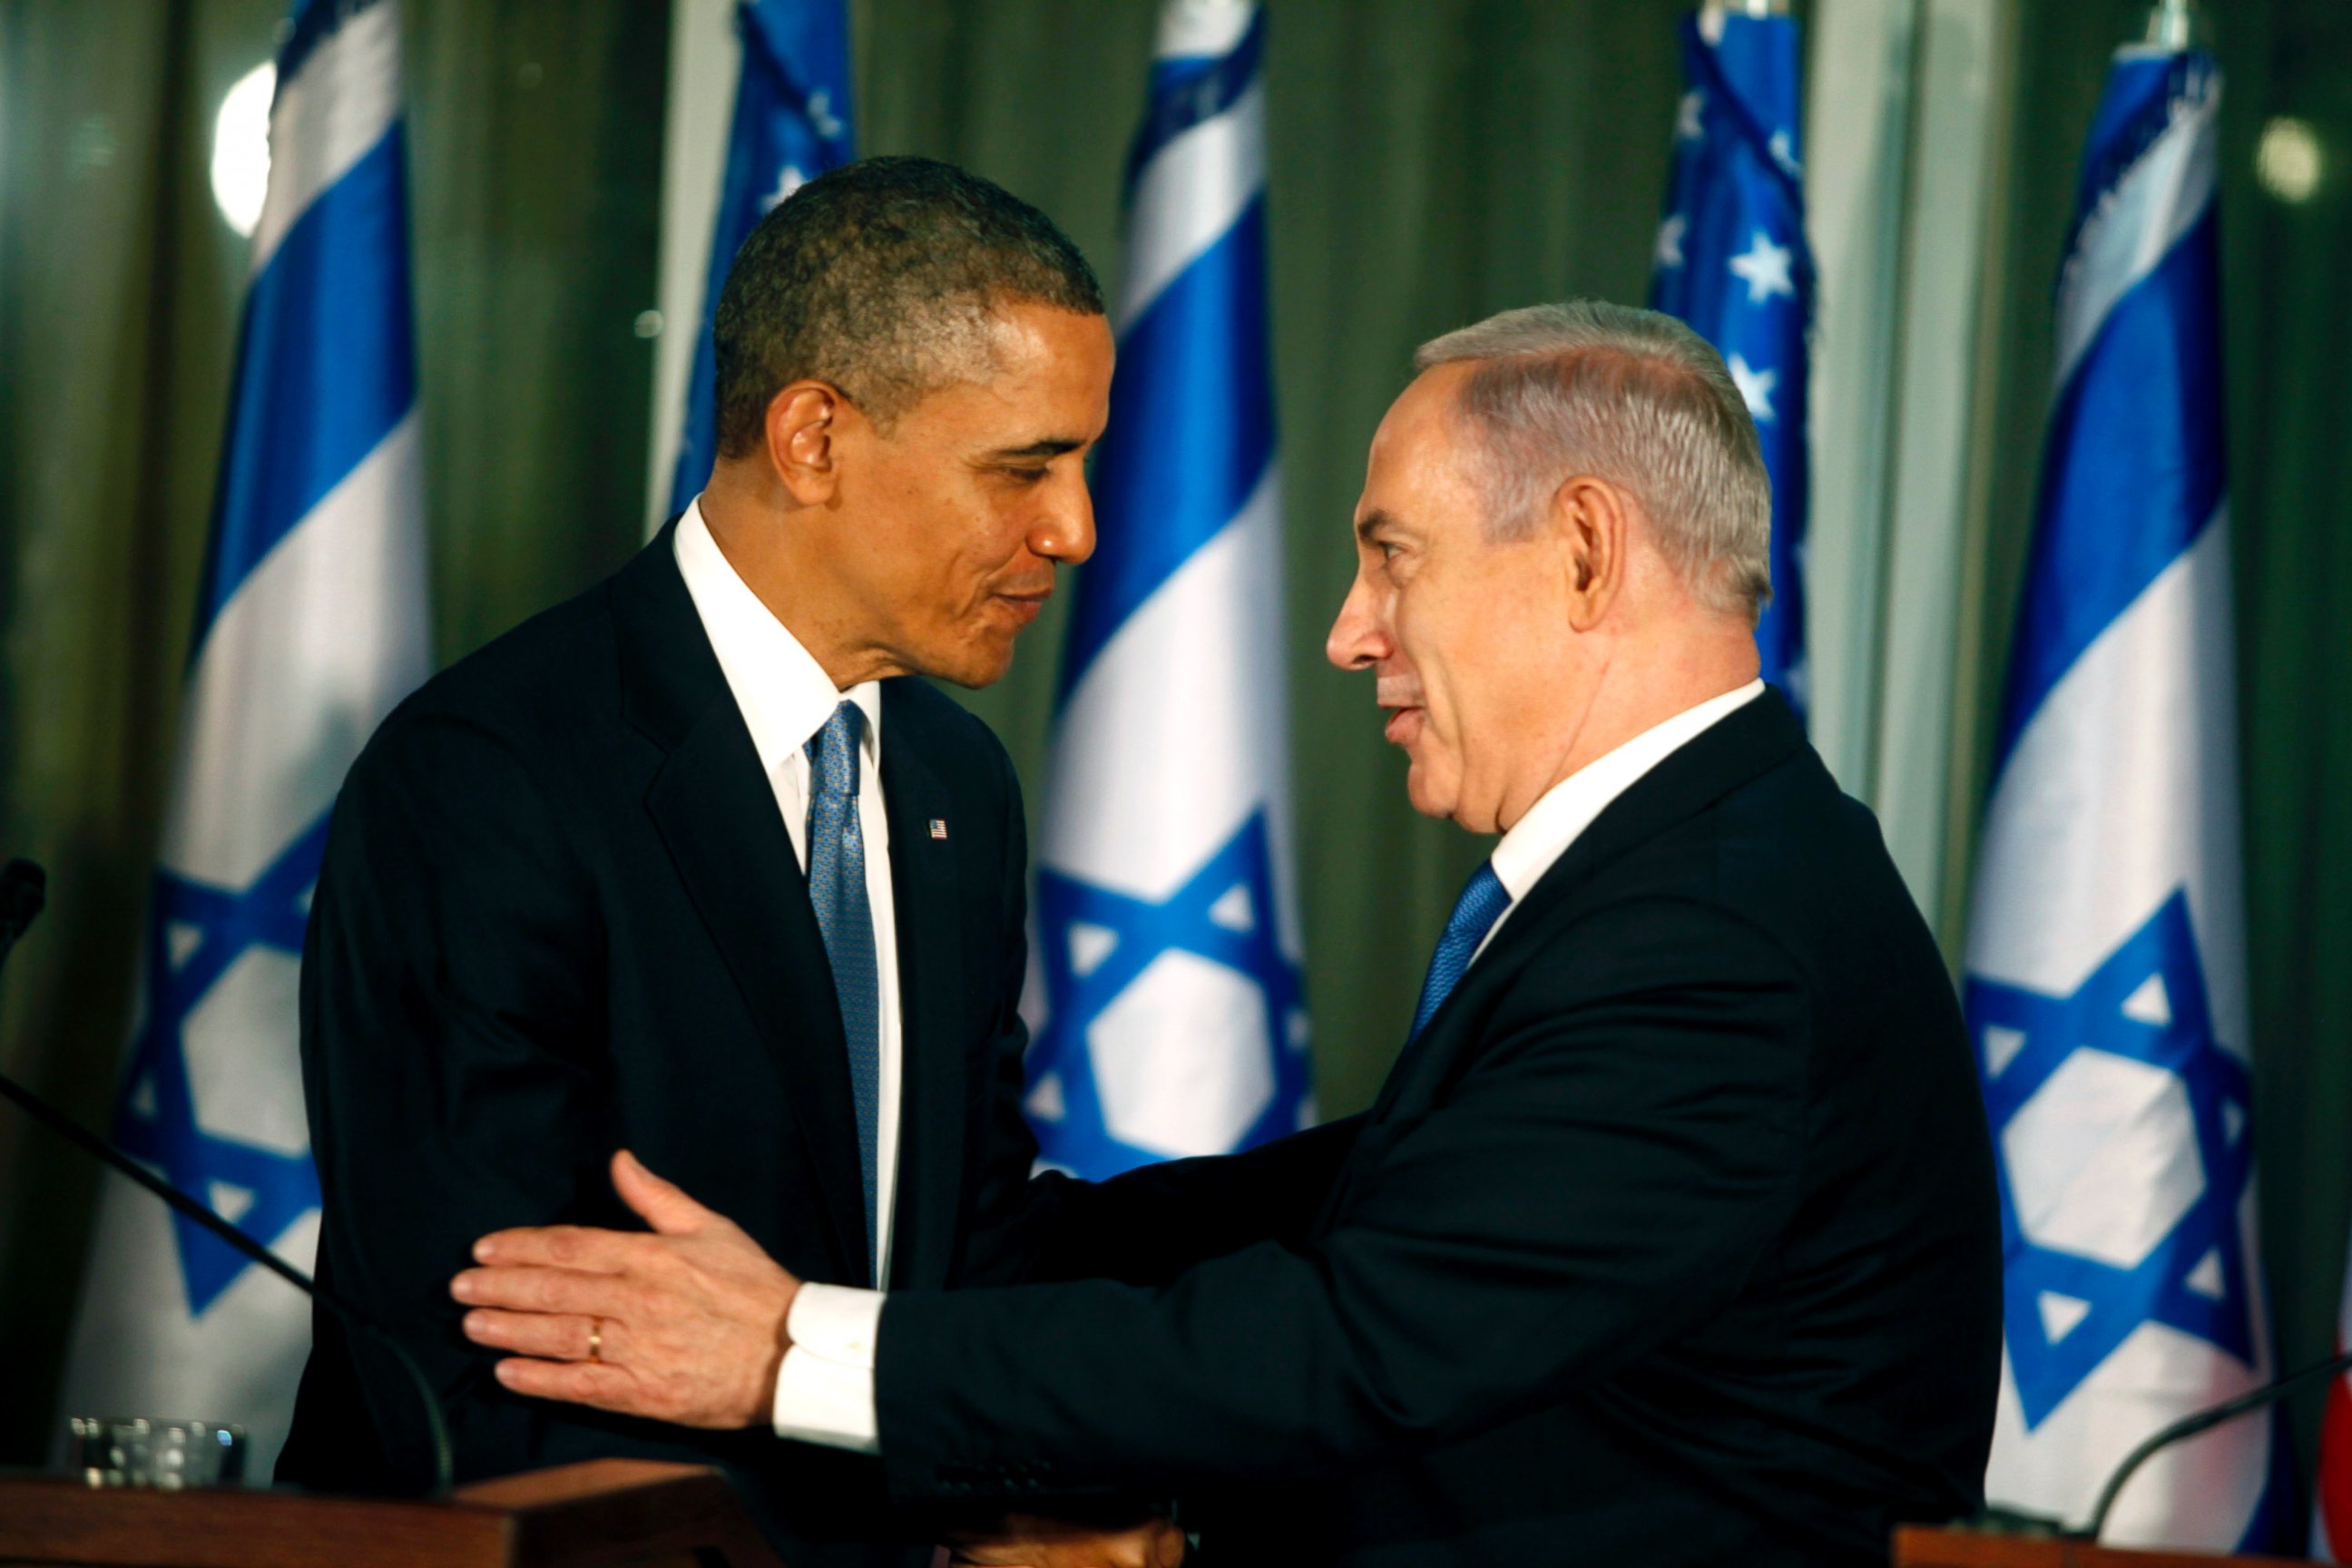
column 1426, row 797
column 975, row 667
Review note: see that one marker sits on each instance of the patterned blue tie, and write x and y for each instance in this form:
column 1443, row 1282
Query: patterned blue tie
column 836, row 880
column 1482, row 903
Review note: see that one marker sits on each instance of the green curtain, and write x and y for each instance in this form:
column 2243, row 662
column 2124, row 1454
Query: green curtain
column 1431, row 160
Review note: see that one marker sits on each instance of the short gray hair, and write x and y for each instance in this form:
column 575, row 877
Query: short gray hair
column 1634, row 397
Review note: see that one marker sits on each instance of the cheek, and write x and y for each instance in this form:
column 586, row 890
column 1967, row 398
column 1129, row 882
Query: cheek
column 999, row 535
column 1439, row 646
column 1463, row 652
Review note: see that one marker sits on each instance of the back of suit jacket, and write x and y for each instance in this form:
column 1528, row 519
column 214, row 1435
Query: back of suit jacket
column 1672, row 1239
column 560, row 915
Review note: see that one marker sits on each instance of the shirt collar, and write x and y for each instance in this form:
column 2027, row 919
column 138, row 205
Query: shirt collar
column 1563, row 812
column 784, row 694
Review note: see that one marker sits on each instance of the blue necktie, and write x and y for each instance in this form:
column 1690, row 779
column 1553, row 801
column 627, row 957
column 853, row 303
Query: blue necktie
column 1484, row 898
column 836, row 880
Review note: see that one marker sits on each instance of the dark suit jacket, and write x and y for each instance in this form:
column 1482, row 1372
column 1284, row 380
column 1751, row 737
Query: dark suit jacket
column 1672, row 1239
column 560, row 915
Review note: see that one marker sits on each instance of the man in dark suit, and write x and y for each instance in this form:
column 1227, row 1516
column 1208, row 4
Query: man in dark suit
column 681, row 866
column 1671, row 1237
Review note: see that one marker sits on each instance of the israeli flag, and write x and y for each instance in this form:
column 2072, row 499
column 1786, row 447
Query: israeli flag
column 1167, row 919
column 791, row 124
column 2105, row 980
column 1732, row 261
column 310, row 626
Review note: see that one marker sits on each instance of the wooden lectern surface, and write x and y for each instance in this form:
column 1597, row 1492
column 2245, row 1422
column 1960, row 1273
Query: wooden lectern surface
column 1917, row 1546
column 606, row 1513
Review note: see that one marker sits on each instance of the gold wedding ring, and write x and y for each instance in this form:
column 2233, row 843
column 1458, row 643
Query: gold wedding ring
column 596, row 1338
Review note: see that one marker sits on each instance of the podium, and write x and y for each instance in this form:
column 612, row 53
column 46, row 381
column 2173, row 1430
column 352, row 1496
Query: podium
column 1917, row 1546
column 605, row 1513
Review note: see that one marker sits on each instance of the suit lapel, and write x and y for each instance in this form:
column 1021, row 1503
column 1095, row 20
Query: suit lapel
column 1739, row 747
column 927, row 902
column 718, row 817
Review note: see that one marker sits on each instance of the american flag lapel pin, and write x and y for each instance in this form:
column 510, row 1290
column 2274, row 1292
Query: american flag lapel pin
column 939, row 827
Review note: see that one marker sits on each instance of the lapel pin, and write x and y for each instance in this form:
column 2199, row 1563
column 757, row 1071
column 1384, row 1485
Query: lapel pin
column 939, row 827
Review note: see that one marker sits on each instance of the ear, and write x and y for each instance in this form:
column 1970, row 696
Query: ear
column 1592, row 520
column 803, row 429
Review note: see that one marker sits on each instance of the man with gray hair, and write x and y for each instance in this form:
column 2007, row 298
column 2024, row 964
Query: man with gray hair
column 1671, row 1237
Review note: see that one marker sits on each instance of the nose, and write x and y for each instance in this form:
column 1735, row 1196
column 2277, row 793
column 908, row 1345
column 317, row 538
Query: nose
column 1067, row 531
column 1357, row 640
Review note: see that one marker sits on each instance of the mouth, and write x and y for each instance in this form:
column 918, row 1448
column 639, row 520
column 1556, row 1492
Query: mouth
column 1023, row 604
column 1405, row 726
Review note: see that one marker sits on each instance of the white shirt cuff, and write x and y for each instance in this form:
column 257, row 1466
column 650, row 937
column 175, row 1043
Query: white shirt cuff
column 825, row 1390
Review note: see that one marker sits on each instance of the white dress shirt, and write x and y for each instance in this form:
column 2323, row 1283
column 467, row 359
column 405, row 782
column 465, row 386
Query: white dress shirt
column 1562, row 812
column 833, row 1328
column 785, row 697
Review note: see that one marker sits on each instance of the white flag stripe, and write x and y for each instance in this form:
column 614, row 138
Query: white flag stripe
column 1167, row 763
column 1188, row 198
column 1199, row 29
column 330, row 615
column 2133, row 720
column 2197, row 1494
column 2155, row 204
column 333, row 112
column 134, row 1337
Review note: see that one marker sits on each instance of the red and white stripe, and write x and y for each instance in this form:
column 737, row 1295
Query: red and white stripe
column 2331, row 1514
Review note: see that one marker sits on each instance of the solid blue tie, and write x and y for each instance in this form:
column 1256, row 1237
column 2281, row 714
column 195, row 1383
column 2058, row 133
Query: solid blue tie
column 836, row 880
column 1482, row 903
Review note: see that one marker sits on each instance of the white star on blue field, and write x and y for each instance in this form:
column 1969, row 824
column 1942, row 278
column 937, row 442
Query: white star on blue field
column 2145, row 1003
column 156, row 1120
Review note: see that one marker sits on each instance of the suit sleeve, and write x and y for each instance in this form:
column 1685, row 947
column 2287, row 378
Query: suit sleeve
column 1602, row 1168
column 1146, row 1226
column 451, row 1027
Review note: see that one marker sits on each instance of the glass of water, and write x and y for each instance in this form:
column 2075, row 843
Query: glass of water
column 170, row 1455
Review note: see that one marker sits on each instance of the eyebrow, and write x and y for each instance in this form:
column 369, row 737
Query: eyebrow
column 1373, row 522
column 1050, row 447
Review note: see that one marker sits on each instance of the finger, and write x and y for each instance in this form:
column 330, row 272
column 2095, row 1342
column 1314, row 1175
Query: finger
column 557, row 1337
column 990, row 1554
column 664, row 1205
column 545, row 1290
column 561, row 1247
column 576, row 1382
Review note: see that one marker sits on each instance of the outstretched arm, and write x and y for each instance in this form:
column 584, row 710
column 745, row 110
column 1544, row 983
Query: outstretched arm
column 1605, row 1173
column 1144, row 1228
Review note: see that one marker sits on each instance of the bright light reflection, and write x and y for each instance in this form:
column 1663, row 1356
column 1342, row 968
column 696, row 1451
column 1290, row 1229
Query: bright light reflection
column 241, row 148
column 2288, row 160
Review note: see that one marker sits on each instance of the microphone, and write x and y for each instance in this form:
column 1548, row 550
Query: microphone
column 2203, row 1420
column 23, row 890
column 1993, row 1520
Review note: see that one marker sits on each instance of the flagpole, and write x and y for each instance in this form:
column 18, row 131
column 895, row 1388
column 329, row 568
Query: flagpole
column 2174, row 24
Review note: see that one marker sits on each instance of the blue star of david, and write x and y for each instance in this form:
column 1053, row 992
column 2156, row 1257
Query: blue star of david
column 156, row 1117
column 1140, row 930
column 2158, row 1289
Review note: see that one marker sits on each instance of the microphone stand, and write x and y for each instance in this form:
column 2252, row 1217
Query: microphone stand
column 2199, row 1421
column 22, row 893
